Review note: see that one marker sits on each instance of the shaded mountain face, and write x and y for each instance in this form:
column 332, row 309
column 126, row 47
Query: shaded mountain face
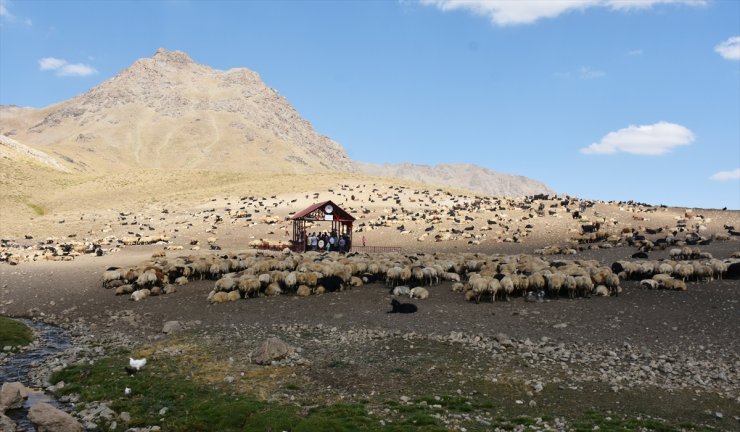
column 170, row 112
column 462, row 176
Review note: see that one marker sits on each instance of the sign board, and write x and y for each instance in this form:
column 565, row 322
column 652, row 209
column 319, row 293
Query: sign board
column 329, row 217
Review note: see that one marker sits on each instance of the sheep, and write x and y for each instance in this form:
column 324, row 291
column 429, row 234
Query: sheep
column 584, row 285
column 665, row 268
column 393, row 276
column 675, row 254
column 273, row 289
column 536, row 282
column 457, row 287
column 265, row 279
column 570, row 286
column 147, row 278
column 718, row 267
column 430, row 275
column 124, row 289
column 303, row 291
column 111, row 275
column 494, row 287
column 684, row 271
column 612, row 282
column 169, row 289
column 452, row 277
column 601, row 290
column 182, row 280
column 249, row 285
column 291, row 280
column 702, row 272
column 140, row 294
column 554, row 283
column 675, row 284
column 218, row 297
column 225, row 284
column 319, row 290
column 401, row 290
column 507, row 286
column 649, row 284
column 233, row 295
column 479, row 286
column 420, row 293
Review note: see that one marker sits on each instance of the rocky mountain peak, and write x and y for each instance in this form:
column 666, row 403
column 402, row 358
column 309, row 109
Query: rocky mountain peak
column 178, row 57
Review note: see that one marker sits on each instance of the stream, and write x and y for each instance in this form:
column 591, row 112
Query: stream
column 50, row 340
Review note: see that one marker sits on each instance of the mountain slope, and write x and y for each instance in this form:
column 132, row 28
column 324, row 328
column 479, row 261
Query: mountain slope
column 462, row 176
column 170, row 112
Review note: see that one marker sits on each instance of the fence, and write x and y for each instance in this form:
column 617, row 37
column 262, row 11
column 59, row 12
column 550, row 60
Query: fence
column 376, row 249
column 360, row 249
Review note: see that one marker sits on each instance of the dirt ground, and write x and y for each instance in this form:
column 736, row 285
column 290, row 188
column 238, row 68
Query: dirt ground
column 615, row 349
column 705, row 315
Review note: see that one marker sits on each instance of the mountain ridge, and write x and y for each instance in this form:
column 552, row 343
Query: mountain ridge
column 459, row 175
column 170, row 112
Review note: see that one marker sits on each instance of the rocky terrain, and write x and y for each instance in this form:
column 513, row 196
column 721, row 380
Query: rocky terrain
column 460, row 176
column 642, row 354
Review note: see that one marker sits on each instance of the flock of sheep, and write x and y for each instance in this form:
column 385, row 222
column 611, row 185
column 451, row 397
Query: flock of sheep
column 478, row 277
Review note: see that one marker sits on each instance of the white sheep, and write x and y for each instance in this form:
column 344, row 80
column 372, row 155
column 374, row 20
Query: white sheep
column 401, row 290
column 140, row 294
column 420, row 293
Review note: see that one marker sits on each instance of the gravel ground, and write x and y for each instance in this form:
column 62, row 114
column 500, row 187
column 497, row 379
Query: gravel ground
column 660, row 352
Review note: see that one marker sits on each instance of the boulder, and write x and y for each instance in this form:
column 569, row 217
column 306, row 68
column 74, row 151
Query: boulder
column 7, row 424
column 171, row 327
column 12, row 395
column 50, row 419
column 272, row 349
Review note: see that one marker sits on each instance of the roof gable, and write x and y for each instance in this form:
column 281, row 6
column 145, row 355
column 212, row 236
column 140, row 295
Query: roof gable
column 339, row 213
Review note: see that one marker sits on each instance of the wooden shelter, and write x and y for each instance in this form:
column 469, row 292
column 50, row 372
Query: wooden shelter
column 327, row 211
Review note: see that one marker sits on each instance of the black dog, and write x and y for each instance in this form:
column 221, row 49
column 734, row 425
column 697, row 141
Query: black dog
column 399, row 307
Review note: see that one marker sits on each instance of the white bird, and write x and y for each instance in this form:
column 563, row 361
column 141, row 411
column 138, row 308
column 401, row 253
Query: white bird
column 136, row 364
column 127, row 391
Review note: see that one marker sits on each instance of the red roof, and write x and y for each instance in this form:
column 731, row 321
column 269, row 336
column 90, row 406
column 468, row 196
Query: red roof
column 339, row 214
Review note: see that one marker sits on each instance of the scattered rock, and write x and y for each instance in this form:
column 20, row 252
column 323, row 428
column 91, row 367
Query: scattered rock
column 171, row 327
column 12, row 395
column 272, row 349
column 6, row 424
column 50, row 419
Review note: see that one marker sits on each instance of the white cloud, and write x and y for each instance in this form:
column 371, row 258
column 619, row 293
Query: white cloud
column 4, row 12
column 729, row 49
column 588, row 73
column 655, row 139
column 63, row 68
column 77, row 69
column 726, row 175
column 513, row 12
column 51, row 63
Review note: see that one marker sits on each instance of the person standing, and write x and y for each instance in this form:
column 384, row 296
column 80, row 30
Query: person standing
column 363, row 241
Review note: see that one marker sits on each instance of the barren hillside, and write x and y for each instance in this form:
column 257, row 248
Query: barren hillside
column 462, row 176
column 170, row 112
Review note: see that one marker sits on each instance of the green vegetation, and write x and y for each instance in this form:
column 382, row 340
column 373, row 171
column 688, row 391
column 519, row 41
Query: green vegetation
column 196, row 405
column 192, row 406
column 13, row 333
column 38, row 209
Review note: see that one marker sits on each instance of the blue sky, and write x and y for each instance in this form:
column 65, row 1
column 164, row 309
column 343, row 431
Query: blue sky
column 605, row 99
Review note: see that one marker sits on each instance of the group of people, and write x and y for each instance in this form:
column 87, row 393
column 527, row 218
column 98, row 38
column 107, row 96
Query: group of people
column 328, row 242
